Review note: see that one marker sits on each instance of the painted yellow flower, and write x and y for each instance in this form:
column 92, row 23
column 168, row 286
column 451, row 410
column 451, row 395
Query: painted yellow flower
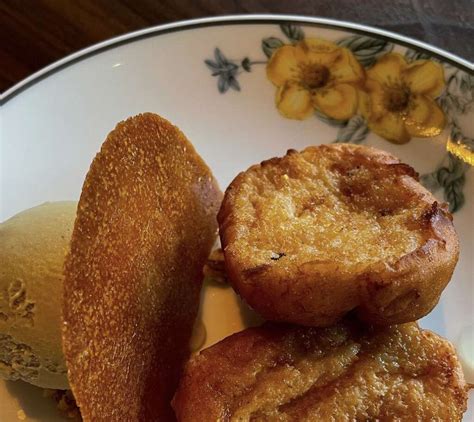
column 401, row 96
column 317, row 75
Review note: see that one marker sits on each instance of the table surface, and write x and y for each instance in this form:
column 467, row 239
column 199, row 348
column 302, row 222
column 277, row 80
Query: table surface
column 35, row 33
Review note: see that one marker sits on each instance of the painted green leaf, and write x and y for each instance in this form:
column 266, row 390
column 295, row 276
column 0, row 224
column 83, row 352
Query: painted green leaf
column 412, row 55
column 451, row 177
column 448, row 103
column 246, row 64
column 293, row 32
column 223, row 85
column 234, row 83
column 458, row 96
column 454, row 195
column 430, row 182
column 355, row 131
column 459, row 138
column 466, row 83
column 270, row 44
column 367, row 50
column 329, row 121
column 452, row 103
column 456, row 166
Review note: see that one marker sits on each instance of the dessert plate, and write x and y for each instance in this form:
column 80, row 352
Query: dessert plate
column 212, row 78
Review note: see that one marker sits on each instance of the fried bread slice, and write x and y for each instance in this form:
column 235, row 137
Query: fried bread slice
column 346, row 372
column 314, row 234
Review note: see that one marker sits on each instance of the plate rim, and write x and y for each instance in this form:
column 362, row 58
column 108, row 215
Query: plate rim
column 184, row 25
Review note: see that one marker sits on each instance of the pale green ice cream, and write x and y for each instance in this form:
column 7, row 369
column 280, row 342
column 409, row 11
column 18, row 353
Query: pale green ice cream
column 33, row 245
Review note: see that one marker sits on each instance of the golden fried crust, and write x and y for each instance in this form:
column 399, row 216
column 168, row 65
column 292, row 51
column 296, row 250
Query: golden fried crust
column 315, row 234
column 343, row 373
column 144, row 228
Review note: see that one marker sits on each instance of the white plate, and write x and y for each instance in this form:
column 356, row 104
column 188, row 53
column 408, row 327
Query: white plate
column 55, row 121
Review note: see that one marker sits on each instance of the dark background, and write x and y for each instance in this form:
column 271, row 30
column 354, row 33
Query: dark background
column 35, row 33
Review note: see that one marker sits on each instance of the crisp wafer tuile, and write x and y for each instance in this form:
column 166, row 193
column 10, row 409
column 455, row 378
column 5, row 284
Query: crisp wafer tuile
column 145, row 225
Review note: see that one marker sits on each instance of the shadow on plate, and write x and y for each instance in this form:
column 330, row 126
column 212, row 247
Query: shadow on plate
column 33, row 402
column 249, row 317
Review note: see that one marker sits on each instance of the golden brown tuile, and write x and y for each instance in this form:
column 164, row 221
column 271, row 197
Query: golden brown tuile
column 144, row 228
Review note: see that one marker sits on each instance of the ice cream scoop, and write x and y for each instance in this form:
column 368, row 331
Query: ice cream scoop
column 33, row 245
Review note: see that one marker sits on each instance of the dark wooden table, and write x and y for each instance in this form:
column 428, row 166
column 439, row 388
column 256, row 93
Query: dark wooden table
column 35, row 33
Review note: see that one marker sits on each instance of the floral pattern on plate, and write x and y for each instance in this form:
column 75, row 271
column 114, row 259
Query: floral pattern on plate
column 359, row 84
